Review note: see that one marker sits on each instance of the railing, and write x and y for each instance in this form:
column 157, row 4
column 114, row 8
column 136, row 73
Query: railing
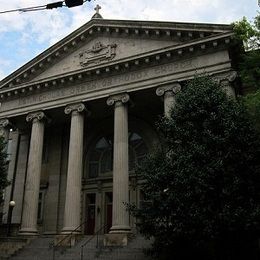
column 68, row 236
column 96, row 234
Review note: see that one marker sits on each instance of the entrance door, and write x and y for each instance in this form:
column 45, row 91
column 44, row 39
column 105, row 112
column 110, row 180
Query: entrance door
column 109, row 199
column 90, row 214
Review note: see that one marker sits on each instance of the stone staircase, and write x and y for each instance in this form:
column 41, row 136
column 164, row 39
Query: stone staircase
column 39, row 249
column 11, row 245
column 134, row 251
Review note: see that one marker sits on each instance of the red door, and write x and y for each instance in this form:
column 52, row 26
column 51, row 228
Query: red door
column 91, row 220
column 109, row 217
column 109, row 199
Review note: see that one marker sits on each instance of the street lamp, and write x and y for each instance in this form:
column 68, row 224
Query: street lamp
column 9, row 219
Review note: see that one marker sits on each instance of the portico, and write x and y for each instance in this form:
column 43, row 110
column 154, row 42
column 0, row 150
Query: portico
column 85, row 113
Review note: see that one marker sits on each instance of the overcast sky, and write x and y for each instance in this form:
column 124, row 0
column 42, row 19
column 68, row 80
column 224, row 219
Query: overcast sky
column 23, row 36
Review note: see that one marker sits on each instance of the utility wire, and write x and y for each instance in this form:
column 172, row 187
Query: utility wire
column 39, row 8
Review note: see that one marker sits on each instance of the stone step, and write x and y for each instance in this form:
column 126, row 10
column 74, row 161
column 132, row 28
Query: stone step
column 10, row 245
column 39, row 249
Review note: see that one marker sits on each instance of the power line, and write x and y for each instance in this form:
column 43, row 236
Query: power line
column 40, row 7
column 68, row 3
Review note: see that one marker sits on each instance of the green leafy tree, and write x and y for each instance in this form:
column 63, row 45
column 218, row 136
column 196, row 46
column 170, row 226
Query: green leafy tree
column 202, row 189
column 248, row 32
column 3, row 167
column 249, row 64
column 252, row 102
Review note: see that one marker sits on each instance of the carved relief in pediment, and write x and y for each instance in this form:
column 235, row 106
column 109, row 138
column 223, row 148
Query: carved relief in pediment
column 97, row 53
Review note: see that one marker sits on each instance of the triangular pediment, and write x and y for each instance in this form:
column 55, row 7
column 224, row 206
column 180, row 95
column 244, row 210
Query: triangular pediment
column 101, row 42
column 102, row 50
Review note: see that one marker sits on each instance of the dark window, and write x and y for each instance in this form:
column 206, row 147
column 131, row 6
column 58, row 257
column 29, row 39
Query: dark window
column 101, row 157
column 40, row 207
column 137, row 150
column 45, row 150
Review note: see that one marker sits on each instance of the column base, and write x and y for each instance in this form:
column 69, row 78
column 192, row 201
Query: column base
column 116, row 240
column 120, row 229
column 28, row 232
column 118, row 236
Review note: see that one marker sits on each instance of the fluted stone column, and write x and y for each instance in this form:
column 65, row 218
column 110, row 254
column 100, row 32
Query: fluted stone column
column 168, row 92
column 74, row 175
column 32, row 186
column 120, row 216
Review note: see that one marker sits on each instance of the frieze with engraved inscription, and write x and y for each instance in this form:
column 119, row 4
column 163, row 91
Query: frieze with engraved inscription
column 108, row 82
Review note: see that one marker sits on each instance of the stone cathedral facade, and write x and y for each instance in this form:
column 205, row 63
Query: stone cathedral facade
column 80, row 115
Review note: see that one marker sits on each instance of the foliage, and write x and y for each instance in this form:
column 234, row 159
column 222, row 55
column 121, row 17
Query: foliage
column 252, row 102
column 203, row 187
column 248, row 32
column 249, row 69
column 3, row 166
column 249, row 64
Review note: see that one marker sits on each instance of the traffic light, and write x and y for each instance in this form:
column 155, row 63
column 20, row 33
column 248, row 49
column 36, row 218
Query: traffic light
column 72, row 3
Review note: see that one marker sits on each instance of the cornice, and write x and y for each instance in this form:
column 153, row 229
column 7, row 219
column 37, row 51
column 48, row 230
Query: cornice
column 76, row 39
column 210, row 27
column 163, row 55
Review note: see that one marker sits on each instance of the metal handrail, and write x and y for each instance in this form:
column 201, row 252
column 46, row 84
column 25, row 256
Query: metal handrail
column 60, row 242
column 93, row 236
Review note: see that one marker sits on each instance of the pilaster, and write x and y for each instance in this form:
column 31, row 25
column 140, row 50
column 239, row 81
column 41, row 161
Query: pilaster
column 11, row 174
column 4, row 133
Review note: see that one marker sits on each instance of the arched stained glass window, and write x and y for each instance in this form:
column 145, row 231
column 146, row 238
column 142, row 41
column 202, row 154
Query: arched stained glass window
column 137, row 149
column 101, row 156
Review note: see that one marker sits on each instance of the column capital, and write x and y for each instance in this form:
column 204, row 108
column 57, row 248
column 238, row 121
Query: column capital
column 226, row 78
column 225, row 82
column 35, row 116
column 5, row 123
column 77, row 107
column 122, row 98
column 172, row 88
column 5, row 126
